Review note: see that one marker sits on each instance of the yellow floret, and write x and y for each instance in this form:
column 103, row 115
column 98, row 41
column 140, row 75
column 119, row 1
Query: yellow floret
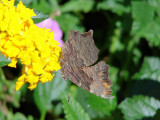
column 21, row 39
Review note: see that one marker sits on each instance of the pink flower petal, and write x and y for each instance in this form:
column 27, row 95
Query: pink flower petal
column 54, row 26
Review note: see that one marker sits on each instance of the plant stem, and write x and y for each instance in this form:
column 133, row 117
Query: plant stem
column 43, row 115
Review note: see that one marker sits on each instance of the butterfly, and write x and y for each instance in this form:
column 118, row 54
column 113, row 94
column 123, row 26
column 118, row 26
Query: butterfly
column 79, row 53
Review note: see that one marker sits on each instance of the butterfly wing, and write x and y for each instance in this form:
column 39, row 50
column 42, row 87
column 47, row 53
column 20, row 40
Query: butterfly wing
column 78, row 53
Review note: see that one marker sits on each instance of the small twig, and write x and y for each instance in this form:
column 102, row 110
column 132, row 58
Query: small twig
column 67, row 91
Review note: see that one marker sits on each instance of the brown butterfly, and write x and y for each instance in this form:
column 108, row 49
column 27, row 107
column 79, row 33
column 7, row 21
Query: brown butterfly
column 78, row 54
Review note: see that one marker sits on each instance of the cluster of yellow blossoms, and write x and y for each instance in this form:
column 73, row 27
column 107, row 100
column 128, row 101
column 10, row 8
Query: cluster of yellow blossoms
column 21, row 39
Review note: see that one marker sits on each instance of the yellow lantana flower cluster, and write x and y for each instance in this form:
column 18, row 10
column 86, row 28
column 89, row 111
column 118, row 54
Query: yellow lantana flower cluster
column 21, row 39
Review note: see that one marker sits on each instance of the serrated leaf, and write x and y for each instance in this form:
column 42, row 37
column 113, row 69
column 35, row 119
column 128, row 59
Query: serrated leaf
column 157, row 115
column 45, row 93
column 100, row 105
column 145, row 22
column 82, row 97
column 42, row 5
column 25, row 2
column 96, row 107
column 114, row 6
column 142, row 14
column 105, row 106
column 4, row 61
column 155, row 4
column 151, row 33
column 150, row 69
column 18, row 116
column 78, row 6
column 40, row 16
column 69, row 22
column 72, row 109
column 138, row 107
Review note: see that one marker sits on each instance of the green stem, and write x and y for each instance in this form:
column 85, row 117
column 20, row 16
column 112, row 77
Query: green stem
column 43, row 115
column 130, row 48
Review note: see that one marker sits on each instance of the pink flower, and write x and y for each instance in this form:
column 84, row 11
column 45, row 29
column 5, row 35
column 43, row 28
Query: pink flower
column 54, row 26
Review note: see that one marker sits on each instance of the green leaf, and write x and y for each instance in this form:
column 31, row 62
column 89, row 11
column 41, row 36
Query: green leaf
column 73, row 91
column 15, row 95
column 42, row 5
column 1, row 116
column 136, row 55
column 78, row 6
column 2, row 78
column 95, row 106
column 26, row 2
column 157, row 115
column 40, row 16
column 42, row 100
column 18, row 116
column 4, row 61
column 45, row 93
column 57, row 109
column 138, row 107
column 59, row 85
column 69, row 22
column 142, row 14
column 54, row 4
column 72, row 109
column 150, row 69
column 114, row 6
column 155, row 4
column 116, row 44
column 151, row 33
column 145, row 22
column 105, row 106
column 82, row 97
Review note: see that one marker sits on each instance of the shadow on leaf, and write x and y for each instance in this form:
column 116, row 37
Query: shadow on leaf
column 146, row 87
